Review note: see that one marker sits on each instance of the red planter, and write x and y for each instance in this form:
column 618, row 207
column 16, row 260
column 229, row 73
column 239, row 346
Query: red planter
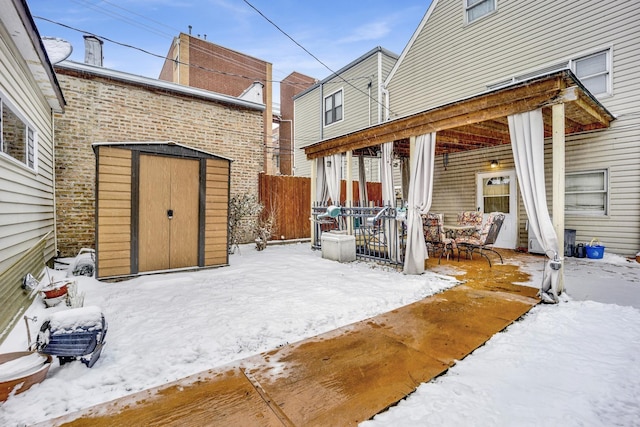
column 55, row 292
column 25, row 382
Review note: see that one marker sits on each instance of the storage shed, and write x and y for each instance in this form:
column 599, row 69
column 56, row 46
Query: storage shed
column 159, row 206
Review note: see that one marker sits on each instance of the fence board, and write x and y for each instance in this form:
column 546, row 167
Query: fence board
column 290, row 198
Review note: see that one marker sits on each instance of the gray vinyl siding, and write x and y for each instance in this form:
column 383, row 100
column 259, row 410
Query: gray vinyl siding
column 306, row 128
column 360, row 102
column 26, row 196
column 449, row 61
column 362, row 106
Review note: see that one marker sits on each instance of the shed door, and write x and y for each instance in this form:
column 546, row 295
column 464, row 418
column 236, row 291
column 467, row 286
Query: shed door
column 168, row 213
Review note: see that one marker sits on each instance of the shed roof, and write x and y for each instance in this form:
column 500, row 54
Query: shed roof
column 161, row 147
column 480, row 121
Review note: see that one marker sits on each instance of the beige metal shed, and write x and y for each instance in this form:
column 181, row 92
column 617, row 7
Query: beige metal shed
column 159, row 206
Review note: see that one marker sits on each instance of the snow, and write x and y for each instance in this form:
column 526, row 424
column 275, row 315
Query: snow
column 77, row 318
column 21, row 366
column 571, row 364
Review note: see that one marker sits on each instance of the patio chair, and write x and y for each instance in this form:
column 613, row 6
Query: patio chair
column 473, row 218
column 488, row 235
column 434, row 236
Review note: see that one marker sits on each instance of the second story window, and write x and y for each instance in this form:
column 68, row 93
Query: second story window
column 333, row 108
column 594, row 72
column 476, row 9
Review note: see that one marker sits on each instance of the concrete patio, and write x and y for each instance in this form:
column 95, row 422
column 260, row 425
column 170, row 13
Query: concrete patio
column 342, row 377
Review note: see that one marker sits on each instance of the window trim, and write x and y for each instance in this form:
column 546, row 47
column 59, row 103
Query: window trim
column 324, row 110
column 31, row 137
column 568, row 63
column 608, row 51
column 466, row 8
column 606, row 191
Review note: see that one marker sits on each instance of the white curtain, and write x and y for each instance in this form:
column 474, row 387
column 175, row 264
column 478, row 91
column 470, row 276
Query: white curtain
column 362, row 182
column 419, row 202
column 386, row 173
column 322, row 195
column 527, row 141
column 333, row 175
column 389, row 197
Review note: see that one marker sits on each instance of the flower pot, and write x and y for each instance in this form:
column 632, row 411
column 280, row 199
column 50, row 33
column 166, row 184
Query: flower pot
column 55, row 292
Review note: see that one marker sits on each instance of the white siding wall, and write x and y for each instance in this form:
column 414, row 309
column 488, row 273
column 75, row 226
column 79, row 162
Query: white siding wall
column 450, row 61
column 307, row 129
column 26, row 196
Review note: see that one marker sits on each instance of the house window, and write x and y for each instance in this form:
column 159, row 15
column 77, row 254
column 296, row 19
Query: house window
column 476, row 9
column 594, row 72
column 586, row 193
column 17, row 138
column 333, row 108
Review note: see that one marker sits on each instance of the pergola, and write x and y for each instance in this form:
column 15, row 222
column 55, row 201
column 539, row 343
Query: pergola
column 481, row 121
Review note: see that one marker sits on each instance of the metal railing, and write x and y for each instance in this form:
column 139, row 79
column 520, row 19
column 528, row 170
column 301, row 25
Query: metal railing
column 380, row 231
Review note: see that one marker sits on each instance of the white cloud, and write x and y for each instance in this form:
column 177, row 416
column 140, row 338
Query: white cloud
column 370, row 31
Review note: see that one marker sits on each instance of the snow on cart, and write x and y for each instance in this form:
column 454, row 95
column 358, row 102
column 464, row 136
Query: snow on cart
column 73, row 334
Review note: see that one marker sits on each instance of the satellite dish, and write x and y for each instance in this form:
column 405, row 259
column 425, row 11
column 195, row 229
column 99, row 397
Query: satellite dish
column 57, row 49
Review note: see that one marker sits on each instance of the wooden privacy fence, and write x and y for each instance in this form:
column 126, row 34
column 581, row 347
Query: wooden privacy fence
column 290, row 198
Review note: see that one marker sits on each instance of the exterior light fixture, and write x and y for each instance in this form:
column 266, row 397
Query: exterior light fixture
column 494, row 164
column 445, row 160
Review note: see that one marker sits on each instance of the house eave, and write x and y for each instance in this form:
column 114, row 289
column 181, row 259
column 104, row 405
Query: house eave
column 20, row 25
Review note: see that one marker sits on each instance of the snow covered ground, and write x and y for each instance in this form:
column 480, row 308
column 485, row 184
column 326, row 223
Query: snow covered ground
column 575, row 363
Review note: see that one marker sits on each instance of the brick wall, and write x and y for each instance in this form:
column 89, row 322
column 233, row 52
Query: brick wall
column 105, row 110
column 290, row 86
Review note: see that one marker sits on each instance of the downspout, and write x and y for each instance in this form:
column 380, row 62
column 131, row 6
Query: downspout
column 385, row 94
column 379, row 87
column 322, row 111
column 369, row 99
column 53, row 177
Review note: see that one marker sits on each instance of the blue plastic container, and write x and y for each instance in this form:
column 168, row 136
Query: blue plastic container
column 594, row 249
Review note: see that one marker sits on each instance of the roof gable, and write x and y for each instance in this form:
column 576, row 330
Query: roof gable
column 412, row 40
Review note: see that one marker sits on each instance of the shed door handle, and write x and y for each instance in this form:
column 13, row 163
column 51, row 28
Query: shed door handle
column 170, row 213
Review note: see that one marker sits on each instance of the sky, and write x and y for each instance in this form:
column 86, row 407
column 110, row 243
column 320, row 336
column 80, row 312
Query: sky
column 336, row 32
column 570, row 364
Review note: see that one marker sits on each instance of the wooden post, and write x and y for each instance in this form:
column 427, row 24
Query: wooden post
column 314, row 175
column 412, row 150
column 558, row 148
column 349, row 198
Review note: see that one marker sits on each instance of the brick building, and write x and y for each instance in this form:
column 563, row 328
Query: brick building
column 193, row 61
column 290, row 86
column 110, row 106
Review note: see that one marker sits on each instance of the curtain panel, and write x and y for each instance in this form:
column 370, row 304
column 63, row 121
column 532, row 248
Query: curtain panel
column 527, row 141
column 419, row 202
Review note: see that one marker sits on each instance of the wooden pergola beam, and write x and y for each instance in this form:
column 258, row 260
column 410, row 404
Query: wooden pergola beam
column 481, row 108
column 481, row 120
